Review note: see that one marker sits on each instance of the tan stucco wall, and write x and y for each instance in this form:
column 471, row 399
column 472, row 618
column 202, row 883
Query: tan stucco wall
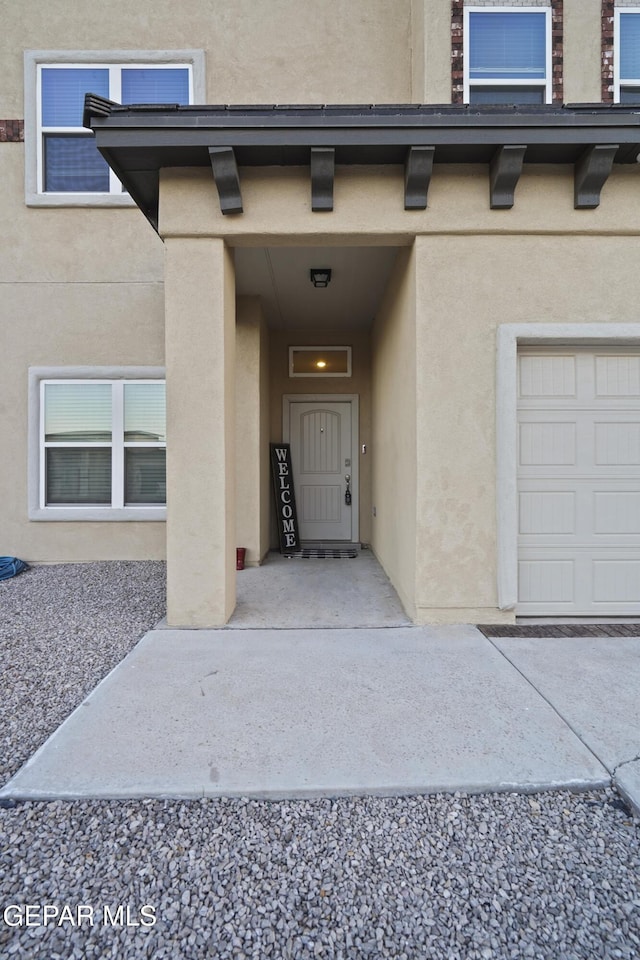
column 431, row 38
column 266, row 499
column 85, row 286
column 200, row 339
column 252, row 429
column 393, row 445
column 258, row 51
column 369, row 205
column 75, row 245
column 431, row 49
column 470, row 269
column 79, row 287
column 54, row 323
column 516, row 279
column 286, row 51
column 358, row 383
column 582, row 50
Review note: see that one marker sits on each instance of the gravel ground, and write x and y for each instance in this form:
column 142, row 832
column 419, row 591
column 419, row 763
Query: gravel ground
column 555, row 875
column 62, row 629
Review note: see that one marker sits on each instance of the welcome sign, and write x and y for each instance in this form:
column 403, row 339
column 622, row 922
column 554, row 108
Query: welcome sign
column 285, row 497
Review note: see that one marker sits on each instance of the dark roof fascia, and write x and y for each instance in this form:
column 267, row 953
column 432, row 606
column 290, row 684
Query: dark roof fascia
column 472, row 124
column 139, row 140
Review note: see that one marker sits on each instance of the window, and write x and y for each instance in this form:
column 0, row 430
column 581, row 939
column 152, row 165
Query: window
column 69, row 161
column 627, row 55
column 507, row 53
column 319, row 361
column 63, row 165
column 101, row 448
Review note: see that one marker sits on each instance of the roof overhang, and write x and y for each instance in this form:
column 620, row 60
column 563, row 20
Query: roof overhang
column 138, row 141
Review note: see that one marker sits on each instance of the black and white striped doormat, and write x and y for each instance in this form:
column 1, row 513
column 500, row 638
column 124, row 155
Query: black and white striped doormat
column 323, row 553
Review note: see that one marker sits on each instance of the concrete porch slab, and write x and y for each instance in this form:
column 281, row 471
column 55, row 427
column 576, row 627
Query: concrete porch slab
column 295, row 713
column 318, row 594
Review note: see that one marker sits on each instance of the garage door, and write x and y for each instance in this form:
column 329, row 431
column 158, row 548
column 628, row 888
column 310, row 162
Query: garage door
column 579, row 482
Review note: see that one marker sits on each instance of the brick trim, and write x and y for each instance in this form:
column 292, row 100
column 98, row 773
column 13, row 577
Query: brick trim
column 11, row 131
column 557, row 31
column 607, row 51
column 457, row 62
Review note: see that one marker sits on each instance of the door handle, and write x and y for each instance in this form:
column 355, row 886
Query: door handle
column 347, row 492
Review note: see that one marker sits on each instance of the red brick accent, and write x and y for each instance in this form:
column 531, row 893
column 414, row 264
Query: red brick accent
column 11, row 131
column 457, row 78
column 457, row 64
column 557, row 79
column 607, row 51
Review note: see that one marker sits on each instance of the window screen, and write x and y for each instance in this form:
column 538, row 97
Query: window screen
column 507, row 46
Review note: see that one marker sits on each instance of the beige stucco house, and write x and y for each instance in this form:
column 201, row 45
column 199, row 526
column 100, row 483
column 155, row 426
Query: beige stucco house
column 468, row 172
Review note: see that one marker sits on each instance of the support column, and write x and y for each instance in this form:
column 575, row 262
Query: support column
column 253, row 488
column 200, row 362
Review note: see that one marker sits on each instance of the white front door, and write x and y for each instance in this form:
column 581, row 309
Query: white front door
column 321, row 438
column 579, row 481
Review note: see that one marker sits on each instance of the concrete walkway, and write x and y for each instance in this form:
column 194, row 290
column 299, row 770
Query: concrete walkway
column 294, row 713
column 321, row 686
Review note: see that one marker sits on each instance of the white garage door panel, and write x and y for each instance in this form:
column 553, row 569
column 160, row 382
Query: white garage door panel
column 617, row 443
column 616, row 581
column 544, row 376
column 587, row 513
column 579, row 483
column 617, row 376
column 617, row 512
column 544, row 443
column 547, row 512
column 548, row 581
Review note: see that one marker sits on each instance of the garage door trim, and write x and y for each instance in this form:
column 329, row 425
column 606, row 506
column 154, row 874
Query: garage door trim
column 510, row 337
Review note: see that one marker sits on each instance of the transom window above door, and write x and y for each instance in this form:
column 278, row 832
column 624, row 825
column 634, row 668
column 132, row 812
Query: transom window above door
column 507, row 55
column 319, row 361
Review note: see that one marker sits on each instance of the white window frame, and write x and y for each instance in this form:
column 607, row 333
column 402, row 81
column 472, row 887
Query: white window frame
column 546, row 85
column 118, row 377
column 114, row 60
column 617, row 82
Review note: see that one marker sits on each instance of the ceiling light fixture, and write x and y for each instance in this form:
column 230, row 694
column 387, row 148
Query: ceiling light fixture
column 320, row 276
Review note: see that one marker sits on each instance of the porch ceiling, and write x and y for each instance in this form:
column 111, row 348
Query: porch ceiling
column 137, row 141
column 280, row 277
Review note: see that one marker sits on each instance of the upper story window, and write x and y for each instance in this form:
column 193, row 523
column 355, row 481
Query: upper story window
column 68, row 160
column 627, row 55
column 63, row 165
column 507, row 55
